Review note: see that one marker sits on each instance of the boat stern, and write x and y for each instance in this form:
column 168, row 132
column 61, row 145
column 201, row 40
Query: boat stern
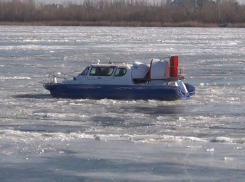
column 190, row 88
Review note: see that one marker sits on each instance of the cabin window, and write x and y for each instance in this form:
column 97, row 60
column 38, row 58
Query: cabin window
column 101, row 71
column 120, row 72
column 85, row 71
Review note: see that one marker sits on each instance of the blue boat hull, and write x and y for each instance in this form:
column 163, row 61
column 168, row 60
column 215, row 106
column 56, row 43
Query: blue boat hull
column 135, row 92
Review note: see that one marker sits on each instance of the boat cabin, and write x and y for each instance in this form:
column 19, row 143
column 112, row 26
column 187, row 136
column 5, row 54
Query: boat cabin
column 105, row 74
column 128, row 74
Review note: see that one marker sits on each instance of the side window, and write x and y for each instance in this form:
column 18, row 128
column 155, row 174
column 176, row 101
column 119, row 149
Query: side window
column 120, row 72
column 85, row 71
column 101, row 71
column 94, row 71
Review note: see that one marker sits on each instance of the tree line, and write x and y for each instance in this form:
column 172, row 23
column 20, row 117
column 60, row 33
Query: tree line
column 126, row 12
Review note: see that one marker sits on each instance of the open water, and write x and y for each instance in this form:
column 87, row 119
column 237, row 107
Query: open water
column 48, row 139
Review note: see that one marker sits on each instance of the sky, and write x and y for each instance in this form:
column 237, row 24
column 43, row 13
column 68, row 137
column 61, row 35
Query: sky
column 79, row 1
column 65, row 1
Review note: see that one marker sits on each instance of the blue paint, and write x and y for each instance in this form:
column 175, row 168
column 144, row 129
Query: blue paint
column 134, row 92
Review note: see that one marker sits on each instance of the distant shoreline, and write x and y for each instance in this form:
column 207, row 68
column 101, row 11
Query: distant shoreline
column 122, row 24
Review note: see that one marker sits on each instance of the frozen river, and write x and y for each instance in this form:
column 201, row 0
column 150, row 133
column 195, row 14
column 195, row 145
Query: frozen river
column 47, row 139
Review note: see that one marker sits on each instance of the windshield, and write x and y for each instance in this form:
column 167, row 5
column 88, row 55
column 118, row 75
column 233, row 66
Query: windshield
column 85, row 71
